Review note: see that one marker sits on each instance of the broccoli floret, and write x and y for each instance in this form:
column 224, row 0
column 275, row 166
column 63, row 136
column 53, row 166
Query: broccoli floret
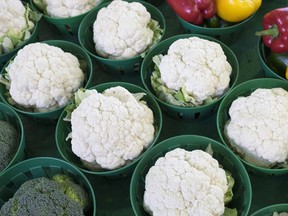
column 73, row 190
column 9, row 141
column 42, row 197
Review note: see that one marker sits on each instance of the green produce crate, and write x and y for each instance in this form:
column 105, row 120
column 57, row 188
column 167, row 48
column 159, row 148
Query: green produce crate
column 269, row 210
column 51, row 117
column 242, row 189
column 121, row 67
column 63, row 128
column 9, row 115
column 186, row 113
column 37, row 167
column 245, row 89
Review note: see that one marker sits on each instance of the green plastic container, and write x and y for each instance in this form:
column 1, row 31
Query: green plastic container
column 9, row 115
column 37, row 167
column 242, row 188
column 184, row 113
column 33, row 38
column 262, row 52
column 228, row 35
column 245, row 89
column 64, row 26
column 269, row 210
column 63, row 128
column 51, row 117
column 121, row 67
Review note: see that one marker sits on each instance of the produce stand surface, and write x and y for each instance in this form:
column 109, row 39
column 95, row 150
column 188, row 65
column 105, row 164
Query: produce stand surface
column 112, row 194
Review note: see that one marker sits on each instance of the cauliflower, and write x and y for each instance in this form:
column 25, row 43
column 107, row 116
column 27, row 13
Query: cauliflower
column 43, row 77
column 110, row 129
column 186, row 183
column 123, row 30
column 258, row 127
column 16, row 24
column 193, row 72
column 66, row 8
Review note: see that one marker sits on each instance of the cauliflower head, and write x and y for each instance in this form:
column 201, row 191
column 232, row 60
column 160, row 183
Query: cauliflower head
column 193, row 72
column 123, row 30
column 66, row 8
column 185, row 183
column 258, row 126
column 43, row 77
column 111, row 128
column 16, row 24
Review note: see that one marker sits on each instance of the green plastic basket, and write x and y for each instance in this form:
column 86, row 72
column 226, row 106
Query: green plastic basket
column 9, row 115
column 37, row 167
column 269, row 210
column 245, row 89
column 178, row 112
column 228, row 35
column 33, row 38
column 64, row 26
column 51, row 117
column 262, row 52
column 121, row 67
column 242, row 189
column 63, row 128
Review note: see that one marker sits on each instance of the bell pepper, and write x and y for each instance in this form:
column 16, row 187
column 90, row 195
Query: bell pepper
column 278, row 62
column 193, row 11
column 286, row 74
column 237, row 10
column 275, row 33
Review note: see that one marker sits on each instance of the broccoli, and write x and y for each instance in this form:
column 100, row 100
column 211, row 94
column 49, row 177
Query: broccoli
column 43, row 196
column 9, row 141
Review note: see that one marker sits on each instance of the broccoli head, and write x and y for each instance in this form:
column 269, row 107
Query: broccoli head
column 42, row 197
column 9, row 141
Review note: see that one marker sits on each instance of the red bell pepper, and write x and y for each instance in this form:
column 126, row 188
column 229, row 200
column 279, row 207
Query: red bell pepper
column 194, row 11
column 275, row 33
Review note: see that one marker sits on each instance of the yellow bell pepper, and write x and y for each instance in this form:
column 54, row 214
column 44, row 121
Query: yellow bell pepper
column 286, row 74
column 236, row 10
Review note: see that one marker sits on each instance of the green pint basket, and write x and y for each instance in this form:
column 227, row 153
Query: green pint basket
column 262, row 53
column 38, row 167
column 63, row 128
column 184, row 113
column 269, row 210
column 245, row 89
column 229, row 34
column 242, row 188
column 50, row 117
column 116, row 67
column 11, row 116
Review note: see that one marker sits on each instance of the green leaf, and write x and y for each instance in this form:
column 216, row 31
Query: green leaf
column 230, row 212
column 229, row 194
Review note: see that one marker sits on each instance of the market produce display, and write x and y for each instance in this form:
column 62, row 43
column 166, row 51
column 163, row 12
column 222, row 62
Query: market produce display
column 109, row 129
column 17, row 24
column 188, row 183
column 42, row 77
column 124, row 29
column 275, row 40
column 194, row 72
column 257, row 125
column 111, row 181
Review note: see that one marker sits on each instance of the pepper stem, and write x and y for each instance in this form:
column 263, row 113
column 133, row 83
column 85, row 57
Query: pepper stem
column 273, row 32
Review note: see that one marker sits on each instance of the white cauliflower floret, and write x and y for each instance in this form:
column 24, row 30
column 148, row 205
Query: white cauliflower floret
column 14, row 24
column 197, row 67
column 121, row 30
column 258, row 126
column 66, row 8
column 112, row 128
column 43, row 77
column 185, row 183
